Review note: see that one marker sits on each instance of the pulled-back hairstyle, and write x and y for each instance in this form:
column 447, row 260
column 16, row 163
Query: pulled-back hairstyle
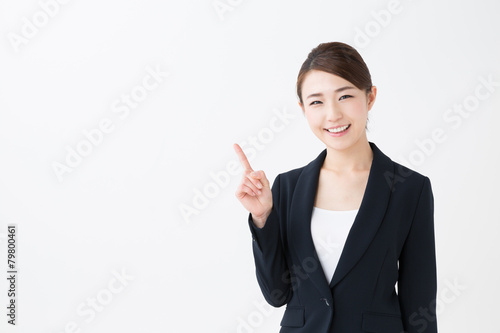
column 339, row 59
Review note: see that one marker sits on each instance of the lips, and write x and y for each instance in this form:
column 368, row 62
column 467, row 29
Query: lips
column 338, row 129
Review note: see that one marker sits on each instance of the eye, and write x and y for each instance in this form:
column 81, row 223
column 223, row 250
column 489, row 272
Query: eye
column 346, row 96
column 314, row 102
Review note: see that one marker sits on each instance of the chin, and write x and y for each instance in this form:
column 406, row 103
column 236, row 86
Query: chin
column 339, row 145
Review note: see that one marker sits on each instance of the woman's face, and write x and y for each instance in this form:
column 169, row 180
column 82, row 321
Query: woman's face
column 331, row 102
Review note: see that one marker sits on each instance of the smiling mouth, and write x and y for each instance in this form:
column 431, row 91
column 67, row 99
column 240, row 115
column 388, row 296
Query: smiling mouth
column 338, row 129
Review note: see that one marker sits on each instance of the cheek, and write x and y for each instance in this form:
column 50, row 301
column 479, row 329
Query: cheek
column 357, row 109
column 314, row 119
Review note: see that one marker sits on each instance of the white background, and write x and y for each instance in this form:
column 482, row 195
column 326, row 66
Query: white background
column 119, row 210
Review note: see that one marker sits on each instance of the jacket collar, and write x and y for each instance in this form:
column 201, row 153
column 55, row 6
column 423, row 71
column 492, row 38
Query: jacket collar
column 370, row 214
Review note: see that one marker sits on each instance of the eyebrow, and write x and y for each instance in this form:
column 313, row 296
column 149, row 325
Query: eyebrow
column 336, row 91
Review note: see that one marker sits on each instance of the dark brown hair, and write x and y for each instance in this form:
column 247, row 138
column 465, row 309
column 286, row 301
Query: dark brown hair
column 339, row 59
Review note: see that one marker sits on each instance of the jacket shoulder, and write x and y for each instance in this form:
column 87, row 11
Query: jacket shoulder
column 290, row 177
column 292, row 174
column 407, row 177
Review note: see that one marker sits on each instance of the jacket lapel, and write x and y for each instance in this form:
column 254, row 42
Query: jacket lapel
column 370, row 215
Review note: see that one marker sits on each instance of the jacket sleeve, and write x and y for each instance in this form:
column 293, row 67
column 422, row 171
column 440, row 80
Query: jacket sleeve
column 417, row 283
column 269, row 256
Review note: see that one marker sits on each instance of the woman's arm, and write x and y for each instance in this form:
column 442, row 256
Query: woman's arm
column 270, row 261
column 417, row 283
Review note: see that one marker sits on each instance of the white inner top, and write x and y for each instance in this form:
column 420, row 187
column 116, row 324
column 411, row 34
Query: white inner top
column 329, row 229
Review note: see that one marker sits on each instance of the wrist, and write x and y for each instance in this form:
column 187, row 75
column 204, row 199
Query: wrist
column 260, row 221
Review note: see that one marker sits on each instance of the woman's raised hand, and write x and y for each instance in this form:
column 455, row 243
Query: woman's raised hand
column 254, row 192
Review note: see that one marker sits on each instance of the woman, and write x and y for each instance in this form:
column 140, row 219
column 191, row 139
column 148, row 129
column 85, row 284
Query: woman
column 331, row 239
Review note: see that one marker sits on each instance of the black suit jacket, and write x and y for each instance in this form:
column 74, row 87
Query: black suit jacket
column 391, row 241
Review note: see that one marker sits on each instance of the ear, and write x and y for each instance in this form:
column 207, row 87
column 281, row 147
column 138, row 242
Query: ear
column 371, row 97
column 302, row 107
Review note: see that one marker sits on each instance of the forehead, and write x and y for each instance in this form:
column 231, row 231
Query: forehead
column 319, row 81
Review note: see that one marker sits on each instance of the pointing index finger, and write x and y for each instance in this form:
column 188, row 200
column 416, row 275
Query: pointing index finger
column 242, row 157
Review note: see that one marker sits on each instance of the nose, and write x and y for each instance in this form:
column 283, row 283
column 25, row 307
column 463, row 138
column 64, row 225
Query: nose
column 333, row 112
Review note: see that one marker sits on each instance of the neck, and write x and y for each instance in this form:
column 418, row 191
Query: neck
column 357, row 157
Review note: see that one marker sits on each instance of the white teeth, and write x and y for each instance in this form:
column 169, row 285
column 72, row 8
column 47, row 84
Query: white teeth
column 338, row 129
